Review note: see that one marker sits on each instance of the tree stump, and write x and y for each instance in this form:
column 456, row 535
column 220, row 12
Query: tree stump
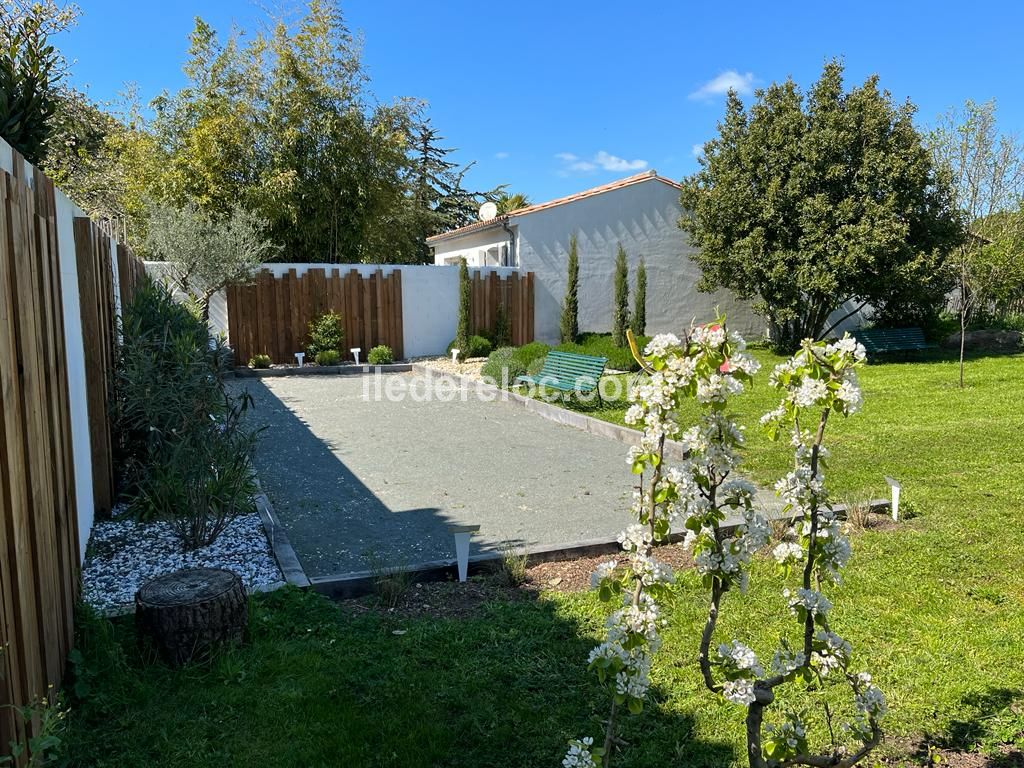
column 187, row 613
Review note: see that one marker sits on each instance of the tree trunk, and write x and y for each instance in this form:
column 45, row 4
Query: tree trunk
column 187, row 613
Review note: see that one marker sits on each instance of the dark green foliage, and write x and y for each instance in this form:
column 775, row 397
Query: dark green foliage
column 475, row 346
column 502, row 327
column 181, row 446
column 528, row 353
column 536, row 366
column 502, row 367
column 569, row 327
column 461, row 342
column 380, row 355
column 638, row 321
column 30, row 70
column 620, row 310
column 602, row 345
column 327, row 357
column 326, row 333
column 805, row 203
column 260, row 361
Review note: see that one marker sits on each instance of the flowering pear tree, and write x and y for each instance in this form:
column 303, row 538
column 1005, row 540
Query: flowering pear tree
column 709, row 365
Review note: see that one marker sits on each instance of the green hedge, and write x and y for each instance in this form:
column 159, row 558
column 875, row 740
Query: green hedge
column 503, row 367
column 601, row 345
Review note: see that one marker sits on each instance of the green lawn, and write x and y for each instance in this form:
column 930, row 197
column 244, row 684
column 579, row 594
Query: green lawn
column 933, row 608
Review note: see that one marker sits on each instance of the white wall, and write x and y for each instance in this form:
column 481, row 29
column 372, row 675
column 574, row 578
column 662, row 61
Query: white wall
column 643, row 218
column 472, row 246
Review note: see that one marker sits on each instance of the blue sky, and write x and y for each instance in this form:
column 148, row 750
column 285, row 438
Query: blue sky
column 554, row 97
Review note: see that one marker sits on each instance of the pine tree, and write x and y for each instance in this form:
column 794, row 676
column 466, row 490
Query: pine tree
column 570, row 327
column 620, row 311
column 462, row 329
column 638, row 322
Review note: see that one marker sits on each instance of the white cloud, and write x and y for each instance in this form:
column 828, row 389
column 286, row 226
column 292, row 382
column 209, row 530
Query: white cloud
column 501, row 155
column 698, row 150
column 719, row 85
column 603, row 160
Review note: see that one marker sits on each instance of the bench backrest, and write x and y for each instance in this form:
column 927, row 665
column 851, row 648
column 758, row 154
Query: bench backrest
column 883, row 339
column 582, row 371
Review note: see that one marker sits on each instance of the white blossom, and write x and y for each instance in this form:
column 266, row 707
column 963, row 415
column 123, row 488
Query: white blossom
column 602, row 572
column 739, row 691
column 579, row 755
column 788, row 552
column 740, row 657
column 810, row 600
column 810, row 392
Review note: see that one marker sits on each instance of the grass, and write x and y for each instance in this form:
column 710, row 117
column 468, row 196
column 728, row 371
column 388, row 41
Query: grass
column 934, row 608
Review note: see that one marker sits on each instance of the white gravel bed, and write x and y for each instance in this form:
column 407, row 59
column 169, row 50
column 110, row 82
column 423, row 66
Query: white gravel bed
column 124, row 554
column 469, row 368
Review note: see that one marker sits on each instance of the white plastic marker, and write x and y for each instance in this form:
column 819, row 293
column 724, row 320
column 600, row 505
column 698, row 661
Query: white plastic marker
column 355, row 353
column 463, row 533
column 896, row 487
column 455, row 356
column 300, row 356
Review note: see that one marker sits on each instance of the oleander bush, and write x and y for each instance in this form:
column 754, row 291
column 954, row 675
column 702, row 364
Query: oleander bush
column 380, row 355
column 181, row 446
column 260, row 361
column 325, row 333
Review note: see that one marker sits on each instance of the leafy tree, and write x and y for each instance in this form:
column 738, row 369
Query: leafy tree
column 569, row 327
column 508, row 202
column 808, row 203
column 987, row 174
column 620, row 311
column 31, row 71
column 638, row 322
column 207, row 254
column 462, row 334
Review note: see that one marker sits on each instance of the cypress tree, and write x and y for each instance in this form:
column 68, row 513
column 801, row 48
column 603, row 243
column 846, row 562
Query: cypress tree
column 639, row 320
column 462, row 329
column 570, row 327
column 620, row 311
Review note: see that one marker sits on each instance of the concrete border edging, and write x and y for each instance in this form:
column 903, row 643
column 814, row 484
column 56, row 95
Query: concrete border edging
column 245, row 372
column 360, row 583
column 280, row 545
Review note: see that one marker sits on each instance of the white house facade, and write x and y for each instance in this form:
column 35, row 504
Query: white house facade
column 641, row 213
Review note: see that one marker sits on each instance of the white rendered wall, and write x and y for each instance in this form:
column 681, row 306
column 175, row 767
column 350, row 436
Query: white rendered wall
column 643, row 217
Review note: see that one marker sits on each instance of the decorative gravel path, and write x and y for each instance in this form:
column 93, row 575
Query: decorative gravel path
column 124, row 554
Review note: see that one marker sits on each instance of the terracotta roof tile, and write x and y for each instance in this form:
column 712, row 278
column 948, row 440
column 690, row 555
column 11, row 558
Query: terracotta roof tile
column 497, row 221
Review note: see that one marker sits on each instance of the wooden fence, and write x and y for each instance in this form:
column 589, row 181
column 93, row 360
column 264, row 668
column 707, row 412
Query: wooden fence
column 39, row 554
column 514, row 293
column 271, row 315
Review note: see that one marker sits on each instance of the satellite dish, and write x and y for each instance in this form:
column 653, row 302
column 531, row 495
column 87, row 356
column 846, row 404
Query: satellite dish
column 488, row 211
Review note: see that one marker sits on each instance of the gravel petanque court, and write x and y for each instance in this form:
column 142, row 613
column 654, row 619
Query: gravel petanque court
column 357, row 481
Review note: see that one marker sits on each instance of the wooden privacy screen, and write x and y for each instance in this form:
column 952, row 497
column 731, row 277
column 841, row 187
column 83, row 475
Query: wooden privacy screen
column 96, row 293
column 271, row 315
column 515, row 293
column 38, row 523
column 130, row 271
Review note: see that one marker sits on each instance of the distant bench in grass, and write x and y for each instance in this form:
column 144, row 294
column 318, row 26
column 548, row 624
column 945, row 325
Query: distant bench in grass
column 568, row 372
column 880, row 341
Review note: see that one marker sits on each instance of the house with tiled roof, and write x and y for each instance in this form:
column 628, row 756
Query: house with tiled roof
column 641, row 212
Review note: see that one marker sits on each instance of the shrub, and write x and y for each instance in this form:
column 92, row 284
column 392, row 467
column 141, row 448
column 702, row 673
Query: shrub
column 536, row 366
column 380, row 355
column 182, row 449
column 620, row 308
column 512, row 571
column 638, row 321
column 569, row 327
column 462, row 339
column 502, row 367
column 601, row 345
column 327, row 332
column 259, row 361
column 328, row 357
column 502, row 327
column 476, row 346
column 528, row 353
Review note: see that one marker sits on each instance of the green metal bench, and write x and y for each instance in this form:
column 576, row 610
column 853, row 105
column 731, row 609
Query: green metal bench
column 568, row 372
column 880, row 341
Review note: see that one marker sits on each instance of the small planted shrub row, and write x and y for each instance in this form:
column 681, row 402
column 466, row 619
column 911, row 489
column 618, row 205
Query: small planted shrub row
column 259, row 361
column 328, row 357
column 181, row 445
